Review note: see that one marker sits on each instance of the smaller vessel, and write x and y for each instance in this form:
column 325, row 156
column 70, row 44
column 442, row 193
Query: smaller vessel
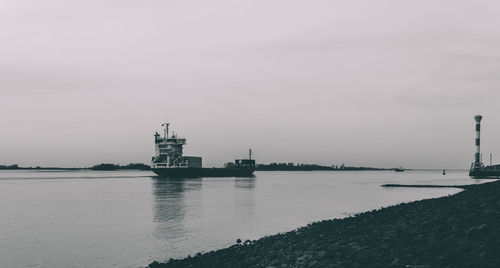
column 169, row 160
column 482, row 172
column 399, row 169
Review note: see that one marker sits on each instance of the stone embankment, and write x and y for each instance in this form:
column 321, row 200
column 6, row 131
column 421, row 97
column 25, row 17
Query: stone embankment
column 461, row 230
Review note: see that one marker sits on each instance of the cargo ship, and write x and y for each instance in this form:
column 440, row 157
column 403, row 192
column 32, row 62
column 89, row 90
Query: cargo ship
column 169, row 160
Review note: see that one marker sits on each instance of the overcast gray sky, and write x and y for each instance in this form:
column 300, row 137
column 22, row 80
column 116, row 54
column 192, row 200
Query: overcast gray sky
column 370, row 83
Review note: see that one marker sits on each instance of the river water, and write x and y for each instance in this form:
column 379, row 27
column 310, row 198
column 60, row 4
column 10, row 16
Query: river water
column 131, row 218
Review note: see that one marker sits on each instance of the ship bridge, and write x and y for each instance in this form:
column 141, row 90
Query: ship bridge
column 169, row 151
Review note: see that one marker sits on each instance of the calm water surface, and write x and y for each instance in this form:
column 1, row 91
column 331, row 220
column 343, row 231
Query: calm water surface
column 131, row 218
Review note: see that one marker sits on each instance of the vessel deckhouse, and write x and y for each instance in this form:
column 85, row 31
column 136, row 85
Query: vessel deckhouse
column 168, row 152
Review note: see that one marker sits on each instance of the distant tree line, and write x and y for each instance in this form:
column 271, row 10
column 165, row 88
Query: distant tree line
column 103, row 166
column 307, row 167
column 106, row 166
column 263, row 167
column 15, row 166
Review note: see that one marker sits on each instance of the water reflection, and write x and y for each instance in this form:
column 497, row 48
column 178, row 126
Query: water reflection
column 245, row 198
column 245, row 183
column 169, row 206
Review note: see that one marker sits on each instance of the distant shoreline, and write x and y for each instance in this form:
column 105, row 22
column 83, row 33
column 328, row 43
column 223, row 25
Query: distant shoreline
column 148, row 169
column 270, row 170
column 310, row 167
column 259, row 167
column 102, row 167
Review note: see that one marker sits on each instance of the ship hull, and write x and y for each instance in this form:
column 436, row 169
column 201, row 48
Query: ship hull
column 203, row 172
column 478, row 174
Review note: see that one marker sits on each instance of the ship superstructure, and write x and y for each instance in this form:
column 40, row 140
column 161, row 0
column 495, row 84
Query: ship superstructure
column 169, row 154
column 169, row 160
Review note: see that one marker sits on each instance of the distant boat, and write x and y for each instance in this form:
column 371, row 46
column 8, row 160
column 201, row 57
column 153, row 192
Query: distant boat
column 399, row 169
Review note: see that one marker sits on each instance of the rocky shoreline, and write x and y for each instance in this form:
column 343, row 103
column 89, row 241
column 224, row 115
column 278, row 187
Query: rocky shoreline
column 462, row 230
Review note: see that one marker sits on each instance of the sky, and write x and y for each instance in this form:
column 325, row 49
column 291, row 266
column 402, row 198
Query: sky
column 361, row 83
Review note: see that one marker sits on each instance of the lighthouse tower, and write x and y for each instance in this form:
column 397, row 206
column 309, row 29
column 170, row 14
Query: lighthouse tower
column 477, row 156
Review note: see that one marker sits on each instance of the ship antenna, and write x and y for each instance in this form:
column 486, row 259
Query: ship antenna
column 250, row 154
column 165, row 131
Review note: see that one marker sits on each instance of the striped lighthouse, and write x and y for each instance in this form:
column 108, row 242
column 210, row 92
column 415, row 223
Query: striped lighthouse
column 477, row 155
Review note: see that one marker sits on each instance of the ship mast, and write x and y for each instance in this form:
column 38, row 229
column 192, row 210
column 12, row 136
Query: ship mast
column 165, row 130
column 250, row 154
